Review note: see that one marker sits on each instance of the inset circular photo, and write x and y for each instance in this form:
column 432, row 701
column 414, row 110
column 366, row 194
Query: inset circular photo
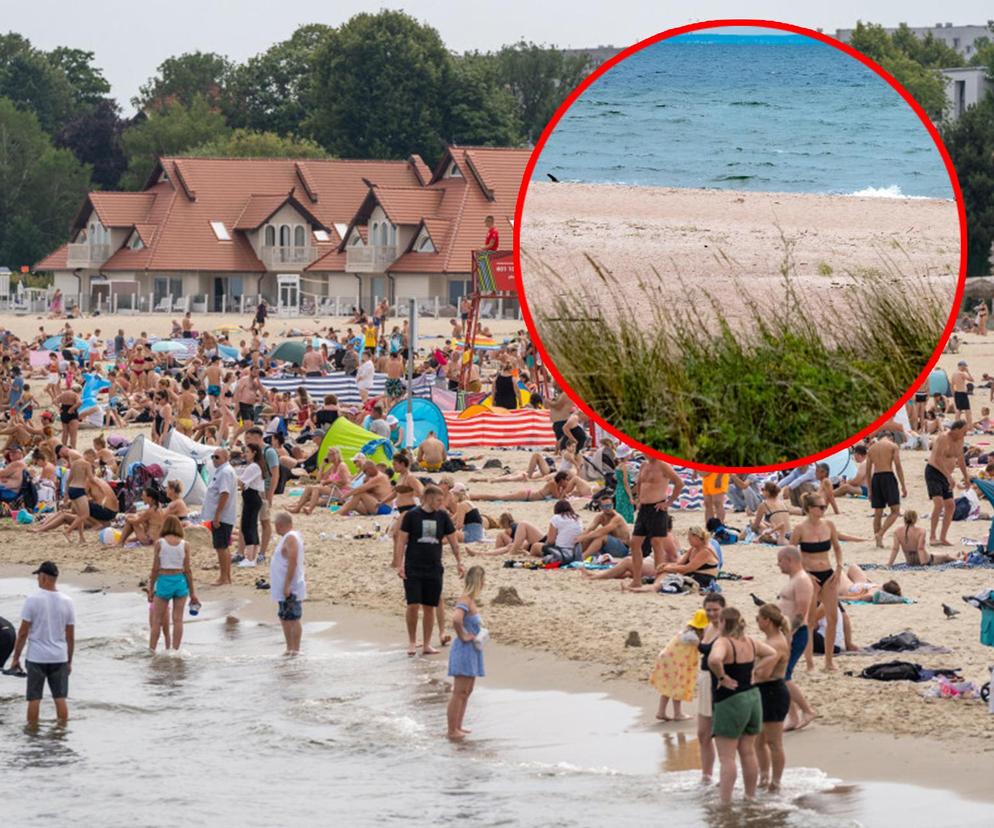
column 740, row 247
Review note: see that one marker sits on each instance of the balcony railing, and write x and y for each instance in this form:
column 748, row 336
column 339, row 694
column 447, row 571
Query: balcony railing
column 369, row 259
column 294, row 258
column 83, row 254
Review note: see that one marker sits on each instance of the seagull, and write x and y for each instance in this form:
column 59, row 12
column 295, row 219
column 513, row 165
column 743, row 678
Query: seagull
column 552, row 178
column 756, row 599
column 949, row 611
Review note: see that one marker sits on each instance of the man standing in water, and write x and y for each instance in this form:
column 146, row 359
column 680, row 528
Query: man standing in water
column 48, row 625
column 794, row 602
column 946, row 454
column 883, row 472
column 653, row 495
column 287, row 583
column 418, row 561
column 220, row 510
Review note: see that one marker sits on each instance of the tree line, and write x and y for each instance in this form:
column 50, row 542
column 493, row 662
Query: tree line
column 378, row 86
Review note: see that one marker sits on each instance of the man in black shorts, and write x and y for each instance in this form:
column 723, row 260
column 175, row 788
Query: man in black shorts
column 885, row 476
column 946, row 455
column 417, row 558
column 960, row 381
column 654, row 496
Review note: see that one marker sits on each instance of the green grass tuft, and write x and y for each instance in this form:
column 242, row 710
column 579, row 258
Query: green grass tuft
column 787, row 383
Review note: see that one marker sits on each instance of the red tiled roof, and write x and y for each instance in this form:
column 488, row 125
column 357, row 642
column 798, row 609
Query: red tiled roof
column 56, row 260
column 257, row 209
column 173, row 216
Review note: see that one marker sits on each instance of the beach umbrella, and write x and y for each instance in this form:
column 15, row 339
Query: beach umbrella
column 54, row 343
column 289, row 351
column 166, row 346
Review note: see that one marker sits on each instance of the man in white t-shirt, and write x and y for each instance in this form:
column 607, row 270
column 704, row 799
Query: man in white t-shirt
column 48, row 624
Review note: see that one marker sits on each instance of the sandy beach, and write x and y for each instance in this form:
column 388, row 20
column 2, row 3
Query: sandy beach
column 571, row 618
column 720, row 239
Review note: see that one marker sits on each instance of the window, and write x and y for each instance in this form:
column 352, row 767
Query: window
column 220, row 231
column 356, row 239
column 136, row 242
column 270, row 236
column 453, row 171
column 284, row 235
column 173, row 287
column 299, row 236
column 341, row 228
column 424, row 244
column 382, row 240
column 321, row 236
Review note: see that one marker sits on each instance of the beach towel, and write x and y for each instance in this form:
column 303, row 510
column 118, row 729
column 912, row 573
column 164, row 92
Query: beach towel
column 986, row 564
column 895, row 599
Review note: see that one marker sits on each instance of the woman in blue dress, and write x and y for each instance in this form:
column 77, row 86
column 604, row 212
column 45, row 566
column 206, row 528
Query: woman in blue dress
column 466, row 655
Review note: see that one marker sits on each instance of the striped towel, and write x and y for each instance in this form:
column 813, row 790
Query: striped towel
column 523, row 428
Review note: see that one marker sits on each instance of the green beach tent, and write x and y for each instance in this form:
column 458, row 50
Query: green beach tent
column 350, row 439
column 290, row 351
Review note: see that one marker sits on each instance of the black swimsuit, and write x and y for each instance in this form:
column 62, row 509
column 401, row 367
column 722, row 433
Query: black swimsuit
column 816, row 548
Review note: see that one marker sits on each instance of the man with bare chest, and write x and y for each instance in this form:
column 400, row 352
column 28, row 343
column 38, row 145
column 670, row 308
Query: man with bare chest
column 654, row 496
column 794, row 601
column 884, row 472
column 946, row 454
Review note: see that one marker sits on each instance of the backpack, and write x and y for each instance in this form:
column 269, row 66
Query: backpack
column 893, row 671
column 901, row 642
column 29, row 492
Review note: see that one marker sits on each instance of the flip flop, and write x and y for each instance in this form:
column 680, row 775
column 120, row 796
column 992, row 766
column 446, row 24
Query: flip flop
column 261, row 583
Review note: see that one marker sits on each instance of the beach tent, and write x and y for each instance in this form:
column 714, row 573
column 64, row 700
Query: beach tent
column 427, row 417
column 840, row 464
column 176, row 466
column 54, row 343
column 181, row 444
column 350, row 439
column 938, row 383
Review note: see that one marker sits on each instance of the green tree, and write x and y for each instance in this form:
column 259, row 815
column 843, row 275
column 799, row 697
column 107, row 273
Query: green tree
column 927, row 50
column 540, row 78
column 40, row 188
column 88, row 84
column 184, row 78
column 273, row 90
column 172, row 130
column 94, row 136
column 910, row 60
column 970, row 141
column 246, row 143
column 380, row 82
column 33, row 82
column 481, row 110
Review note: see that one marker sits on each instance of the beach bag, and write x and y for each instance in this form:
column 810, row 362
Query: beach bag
column 29, row 492
column 893, row 671
column 556, row 555
column 961, row 511
column 900, row 643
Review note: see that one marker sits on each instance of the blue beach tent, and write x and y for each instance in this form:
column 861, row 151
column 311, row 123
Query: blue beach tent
column 427, row 417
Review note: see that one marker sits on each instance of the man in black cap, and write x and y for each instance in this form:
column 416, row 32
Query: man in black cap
column 48, row 624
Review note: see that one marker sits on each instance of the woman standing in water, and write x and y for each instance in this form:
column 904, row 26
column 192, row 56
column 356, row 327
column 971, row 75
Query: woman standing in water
column 171, row 580
column 466, row 655
column 713, row 605
column 774, row 695
column 737, row 716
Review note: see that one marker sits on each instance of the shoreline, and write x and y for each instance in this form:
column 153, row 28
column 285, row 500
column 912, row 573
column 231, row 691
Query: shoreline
column 868, row 192
column 852, row 758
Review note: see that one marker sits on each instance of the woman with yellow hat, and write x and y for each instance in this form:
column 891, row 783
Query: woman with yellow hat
column 675, row 673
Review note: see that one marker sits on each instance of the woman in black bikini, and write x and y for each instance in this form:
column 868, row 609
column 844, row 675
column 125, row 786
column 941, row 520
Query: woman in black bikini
column 816, row 537
column 699, row 562
column 713, row 605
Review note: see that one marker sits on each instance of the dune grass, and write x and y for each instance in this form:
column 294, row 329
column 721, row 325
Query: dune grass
column 786, row 381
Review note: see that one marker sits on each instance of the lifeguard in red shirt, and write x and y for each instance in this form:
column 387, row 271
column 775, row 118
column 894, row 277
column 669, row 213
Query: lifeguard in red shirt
column 493, row 237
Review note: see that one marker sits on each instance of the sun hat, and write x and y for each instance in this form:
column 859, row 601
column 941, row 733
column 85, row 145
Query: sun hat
column 699, row 621
column 624, row 450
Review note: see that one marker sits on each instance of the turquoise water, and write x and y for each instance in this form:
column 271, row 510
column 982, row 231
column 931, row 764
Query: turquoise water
column 231, row 734
column 765, row 113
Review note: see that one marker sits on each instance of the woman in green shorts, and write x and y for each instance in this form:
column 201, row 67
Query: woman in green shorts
column 737, row 715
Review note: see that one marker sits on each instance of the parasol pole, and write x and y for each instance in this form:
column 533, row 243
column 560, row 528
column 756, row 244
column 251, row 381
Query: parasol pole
column 412, row 338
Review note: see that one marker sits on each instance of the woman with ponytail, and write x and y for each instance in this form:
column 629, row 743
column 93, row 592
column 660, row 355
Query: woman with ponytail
column 774, row 695
column 737, row 716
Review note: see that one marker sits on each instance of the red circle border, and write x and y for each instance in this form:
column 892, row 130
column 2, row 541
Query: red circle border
column 628, row 52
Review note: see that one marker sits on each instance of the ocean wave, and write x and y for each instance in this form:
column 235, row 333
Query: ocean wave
column 890, row 191
column 750, row 103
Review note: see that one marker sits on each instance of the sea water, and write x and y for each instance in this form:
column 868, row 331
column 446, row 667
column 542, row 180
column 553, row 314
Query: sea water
column 779, row 113
column 232, row 734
